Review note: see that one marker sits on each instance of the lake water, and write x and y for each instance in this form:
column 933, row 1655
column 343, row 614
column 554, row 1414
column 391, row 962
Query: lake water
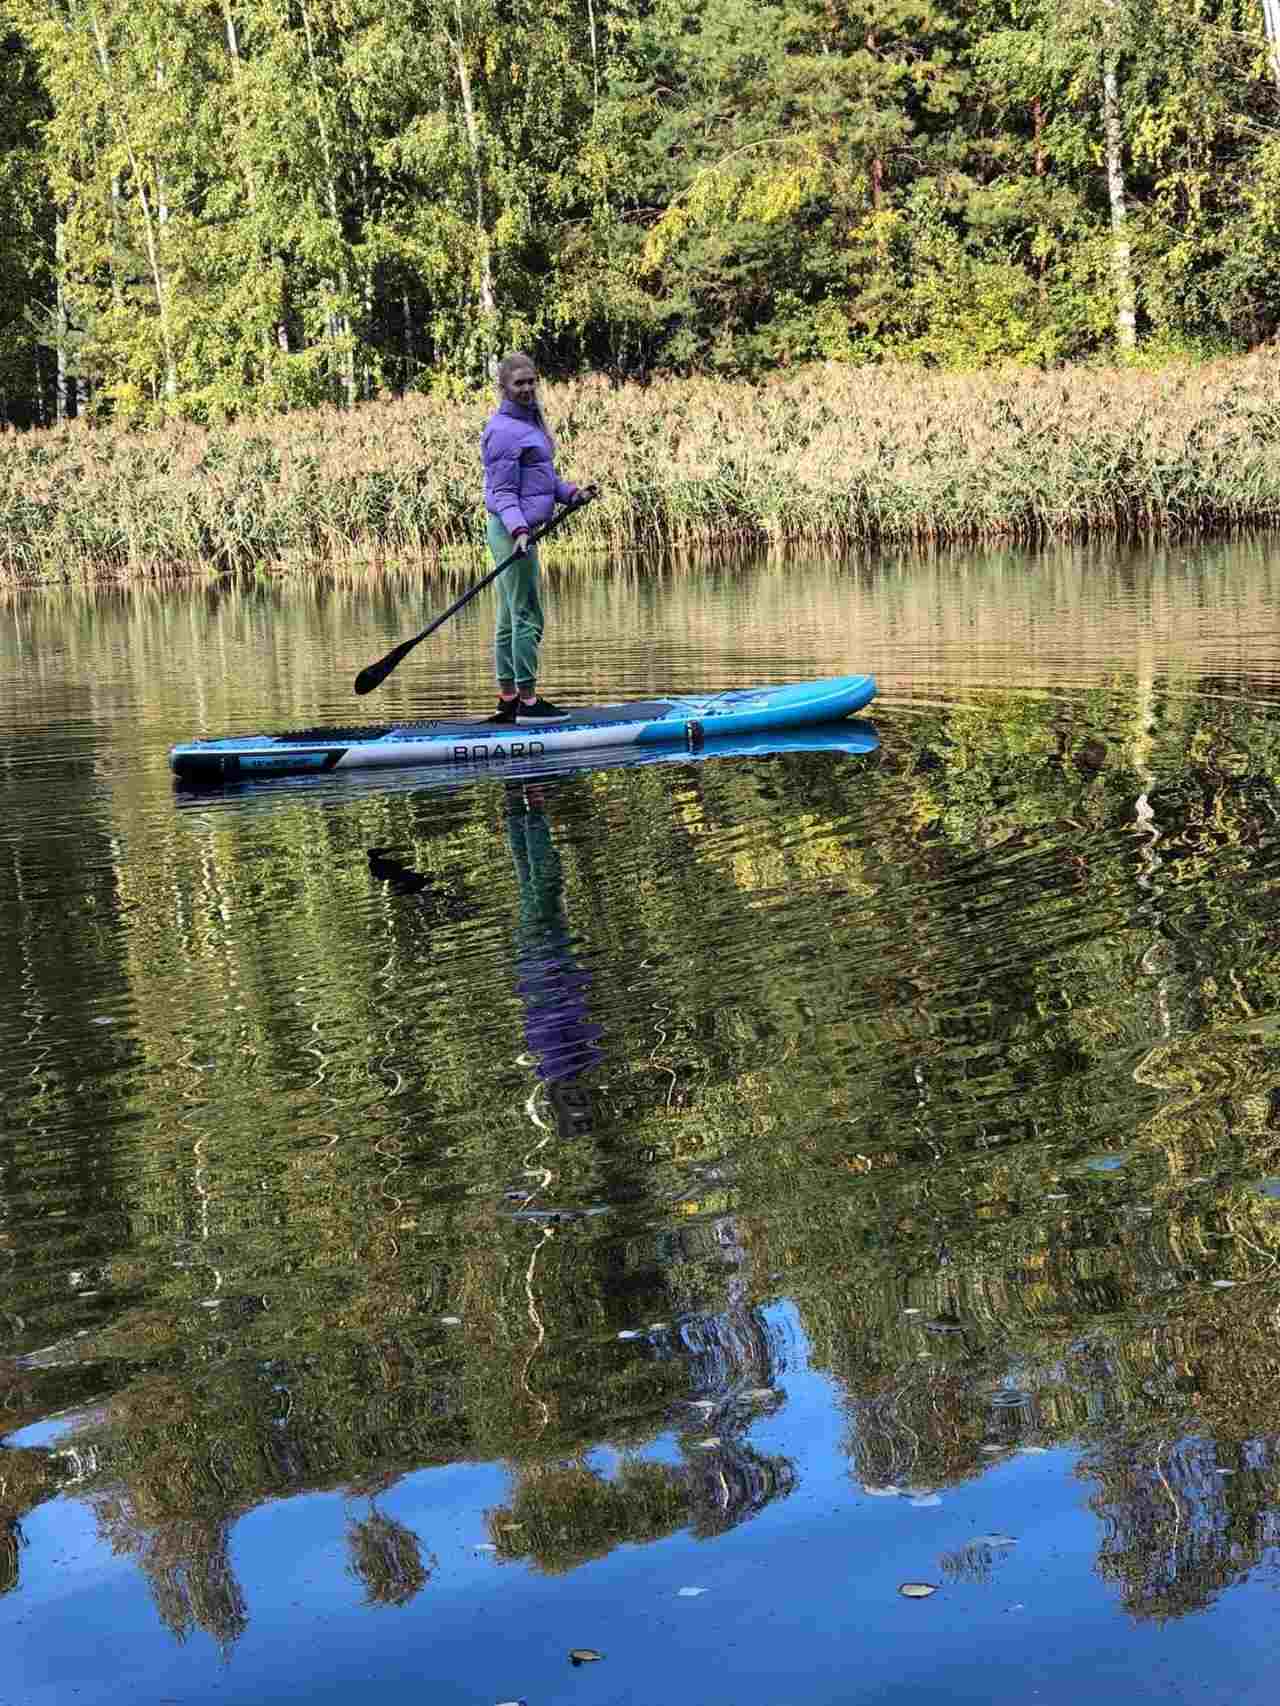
column 661, row 1211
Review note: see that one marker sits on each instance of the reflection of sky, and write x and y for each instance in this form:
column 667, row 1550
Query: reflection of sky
column 801, row 1605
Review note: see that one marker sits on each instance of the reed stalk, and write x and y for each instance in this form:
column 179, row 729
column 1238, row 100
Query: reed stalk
column 827, row 456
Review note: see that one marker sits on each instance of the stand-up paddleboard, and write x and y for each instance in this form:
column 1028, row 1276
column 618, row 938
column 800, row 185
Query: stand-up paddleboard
column 691, row 721
column 851, row 737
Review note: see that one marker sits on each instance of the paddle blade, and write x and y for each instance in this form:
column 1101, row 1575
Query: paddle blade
column 377, row 673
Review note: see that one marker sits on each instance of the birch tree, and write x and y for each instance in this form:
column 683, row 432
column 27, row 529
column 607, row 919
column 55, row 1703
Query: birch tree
column 1066, row 63
column 1110, row 26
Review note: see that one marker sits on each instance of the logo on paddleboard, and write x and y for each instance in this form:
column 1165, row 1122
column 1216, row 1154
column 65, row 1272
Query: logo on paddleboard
column 482, row 752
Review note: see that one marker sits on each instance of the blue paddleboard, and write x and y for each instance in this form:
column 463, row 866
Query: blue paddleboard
column 687, row 722
column 850, row 738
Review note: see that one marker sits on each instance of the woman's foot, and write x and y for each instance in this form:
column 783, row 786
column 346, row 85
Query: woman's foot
column 540, row 711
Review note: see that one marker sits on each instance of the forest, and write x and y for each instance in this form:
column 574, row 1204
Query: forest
column 211, row 208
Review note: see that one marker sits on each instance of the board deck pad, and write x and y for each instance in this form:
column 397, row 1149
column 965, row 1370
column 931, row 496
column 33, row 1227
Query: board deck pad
column 480, row 740
column 640, row 711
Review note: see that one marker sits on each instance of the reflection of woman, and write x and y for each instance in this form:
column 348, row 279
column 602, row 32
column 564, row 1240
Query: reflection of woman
column 553, row 987
column 521, row 489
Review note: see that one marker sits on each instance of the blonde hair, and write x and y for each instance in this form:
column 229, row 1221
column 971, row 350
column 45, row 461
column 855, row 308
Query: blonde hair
column 514, row 359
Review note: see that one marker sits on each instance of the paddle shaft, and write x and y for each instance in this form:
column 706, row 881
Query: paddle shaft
column 378, row 672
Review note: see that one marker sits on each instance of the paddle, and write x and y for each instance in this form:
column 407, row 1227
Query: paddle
column 378, row 672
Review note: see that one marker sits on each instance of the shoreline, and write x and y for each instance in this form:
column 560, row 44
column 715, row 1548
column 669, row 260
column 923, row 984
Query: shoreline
column 824, row 457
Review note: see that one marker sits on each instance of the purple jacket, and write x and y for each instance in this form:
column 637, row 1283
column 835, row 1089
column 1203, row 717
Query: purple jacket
column 521, row 486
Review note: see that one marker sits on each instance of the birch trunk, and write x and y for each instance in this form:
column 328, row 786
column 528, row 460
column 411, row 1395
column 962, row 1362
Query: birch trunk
column 242, row 117
column 162, row 221
column 158, row 281
column 339, row 324
column 242, row 120
column 1271, row 19
column 406, row 320
column 488, row 302
column 117, row 289
column 1037, row 124
column 1121, row 258
column 60, row 314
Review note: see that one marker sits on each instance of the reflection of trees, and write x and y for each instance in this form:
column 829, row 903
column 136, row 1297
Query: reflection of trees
column 10, row 1541
column 922, row 1429
column 386, row 1557
column 186, row 1562
column 27, row 1478
column 562, row 1515
column 1183, row 1519
column 963, row 1015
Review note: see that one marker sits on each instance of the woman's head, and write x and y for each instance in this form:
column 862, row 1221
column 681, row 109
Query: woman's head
column 518, row 378
column 518, row 383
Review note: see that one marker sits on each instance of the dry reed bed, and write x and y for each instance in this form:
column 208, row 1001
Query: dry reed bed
column 828, row 455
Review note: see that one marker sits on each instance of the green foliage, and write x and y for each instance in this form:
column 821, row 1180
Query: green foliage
column 26, row 231
column 264, row 209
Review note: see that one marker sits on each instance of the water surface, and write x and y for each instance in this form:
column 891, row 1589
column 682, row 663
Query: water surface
column 438, row 1225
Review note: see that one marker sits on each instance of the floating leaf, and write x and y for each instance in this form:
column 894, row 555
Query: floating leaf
column 994, row 1540
column 657, row 1326
column 1222, row 1285
column 689, row 1593
column 583, row 1655
column 912, row 1311
column 707, row 1444
column 630, row 1333
column 917, row 1590
column 992, row 1449
column 451, row 1321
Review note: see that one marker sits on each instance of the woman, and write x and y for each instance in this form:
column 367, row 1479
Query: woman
column 521, row 492
column 521, row 489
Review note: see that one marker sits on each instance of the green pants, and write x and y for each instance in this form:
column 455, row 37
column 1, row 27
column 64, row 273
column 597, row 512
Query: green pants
column 518, row 633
